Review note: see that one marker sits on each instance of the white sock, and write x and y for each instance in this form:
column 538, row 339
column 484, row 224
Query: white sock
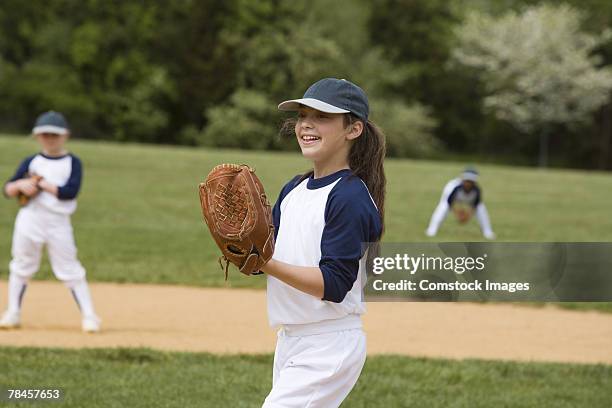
column 16, row 289
column 80, row 291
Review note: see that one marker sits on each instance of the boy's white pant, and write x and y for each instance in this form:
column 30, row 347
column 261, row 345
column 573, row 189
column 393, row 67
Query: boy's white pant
column 35, row 227
column 437, row 218
column 316, row 370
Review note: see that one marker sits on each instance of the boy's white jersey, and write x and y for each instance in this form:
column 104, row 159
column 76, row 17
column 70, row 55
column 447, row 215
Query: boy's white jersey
column 322, row 223
column 455, row 193
column 65, row 172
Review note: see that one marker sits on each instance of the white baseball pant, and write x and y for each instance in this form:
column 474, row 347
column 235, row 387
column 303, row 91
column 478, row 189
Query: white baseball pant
column 318, row 370
column 34, row 228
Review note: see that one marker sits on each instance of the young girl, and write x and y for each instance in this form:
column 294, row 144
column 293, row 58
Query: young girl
column 317, row 273
column 46, row 220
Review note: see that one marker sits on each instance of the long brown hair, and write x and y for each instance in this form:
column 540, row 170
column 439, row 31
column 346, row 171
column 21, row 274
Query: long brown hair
column 365, row 159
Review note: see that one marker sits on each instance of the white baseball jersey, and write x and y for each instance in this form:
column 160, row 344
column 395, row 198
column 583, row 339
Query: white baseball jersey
column 455, row 193
column 323, row 223
column 63, row 171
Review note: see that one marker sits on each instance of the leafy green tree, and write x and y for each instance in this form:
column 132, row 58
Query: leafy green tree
column 242, row 123
column 188, row 42
column 417, row 37
column 91, row 59
column 147, row 70
column 538, row 66
column 408, row 129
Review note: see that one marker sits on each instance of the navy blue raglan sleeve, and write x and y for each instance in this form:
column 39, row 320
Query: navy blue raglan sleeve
column 70, row 190
column 20, row 173
column 451, row 196
column 351, row 218
column 478, row 199
column 276, row 211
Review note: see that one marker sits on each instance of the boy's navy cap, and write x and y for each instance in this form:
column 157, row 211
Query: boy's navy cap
column 332, row 95
column 51, row 122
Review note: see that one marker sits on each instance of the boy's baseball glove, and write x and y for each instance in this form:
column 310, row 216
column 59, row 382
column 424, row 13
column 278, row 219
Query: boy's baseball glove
column 238, row 215
column 463, row 213
column 23, row 199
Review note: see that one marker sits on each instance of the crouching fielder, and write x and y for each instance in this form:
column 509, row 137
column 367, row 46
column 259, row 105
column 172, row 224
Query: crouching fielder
column 463, row 196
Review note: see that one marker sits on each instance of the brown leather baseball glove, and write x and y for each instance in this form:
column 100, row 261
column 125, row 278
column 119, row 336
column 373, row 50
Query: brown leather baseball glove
column 463, row 215
column 238, row 215
column 23, row 199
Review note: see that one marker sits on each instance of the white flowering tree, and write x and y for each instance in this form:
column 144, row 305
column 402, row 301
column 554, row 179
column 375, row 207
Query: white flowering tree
column 538, row 67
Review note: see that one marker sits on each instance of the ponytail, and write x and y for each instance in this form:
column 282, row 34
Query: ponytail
column 366, row 161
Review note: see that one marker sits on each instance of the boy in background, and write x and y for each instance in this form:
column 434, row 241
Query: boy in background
column 462, row 196
column 47, row 185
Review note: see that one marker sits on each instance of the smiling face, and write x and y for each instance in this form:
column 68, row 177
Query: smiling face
column 52, row 143
column 324, row 139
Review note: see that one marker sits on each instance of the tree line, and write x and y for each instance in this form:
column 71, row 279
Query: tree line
column 211, row 73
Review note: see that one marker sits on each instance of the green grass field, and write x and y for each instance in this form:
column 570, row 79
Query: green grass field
column 144, row 378
column 139, row 218
column 139, row 221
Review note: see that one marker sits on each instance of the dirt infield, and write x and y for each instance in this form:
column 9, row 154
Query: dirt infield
column 234, row 321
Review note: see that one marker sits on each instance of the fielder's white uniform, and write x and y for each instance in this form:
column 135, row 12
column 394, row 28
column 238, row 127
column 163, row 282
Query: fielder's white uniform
column 321, row 347
column 45, row 220
column 453, row 192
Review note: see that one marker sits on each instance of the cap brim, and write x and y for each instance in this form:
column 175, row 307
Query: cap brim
column 295, row 104
column 469, row 177
column 50, row 129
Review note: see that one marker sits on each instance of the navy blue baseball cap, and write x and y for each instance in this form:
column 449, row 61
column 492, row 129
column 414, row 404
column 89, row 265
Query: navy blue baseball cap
column 51, row 122
column 332, row 95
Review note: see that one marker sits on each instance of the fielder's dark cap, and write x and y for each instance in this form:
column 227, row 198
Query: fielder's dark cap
column 332, row 95
column 51, row 122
